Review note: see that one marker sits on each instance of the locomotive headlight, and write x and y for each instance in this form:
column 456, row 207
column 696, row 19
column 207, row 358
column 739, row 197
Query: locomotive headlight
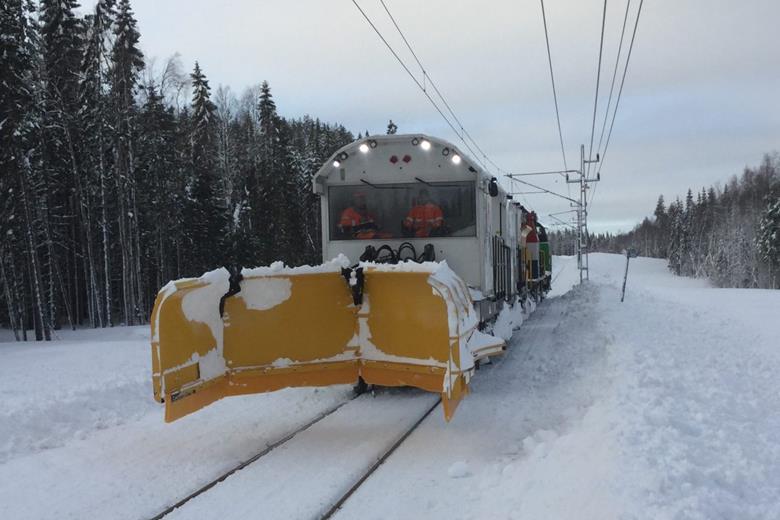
column 456, row 158
column 363, row 148
column 336, row 164
column 425, row 145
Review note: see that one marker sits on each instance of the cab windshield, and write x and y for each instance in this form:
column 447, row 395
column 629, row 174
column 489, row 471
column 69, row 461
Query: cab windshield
column 408, row 210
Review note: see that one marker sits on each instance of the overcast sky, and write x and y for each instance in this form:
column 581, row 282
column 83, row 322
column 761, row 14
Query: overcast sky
column 701, row 100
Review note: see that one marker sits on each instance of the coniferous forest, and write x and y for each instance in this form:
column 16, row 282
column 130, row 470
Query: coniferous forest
column 729, row 234
column 118, row 174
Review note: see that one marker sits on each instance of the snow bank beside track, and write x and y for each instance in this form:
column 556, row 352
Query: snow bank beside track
column 699, row 394
column 57, row 392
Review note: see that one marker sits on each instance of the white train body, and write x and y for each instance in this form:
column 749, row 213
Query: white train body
column 480, row 234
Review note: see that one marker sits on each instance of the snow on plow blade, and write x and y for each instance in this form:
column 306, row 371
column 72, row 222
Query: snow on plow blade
column 414, row 325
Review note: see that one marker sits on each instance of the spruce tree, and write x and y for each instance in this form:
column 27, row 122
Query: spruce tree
column 20, row 134
column 206, row 223
column 768, row 239
column 276, row 182
column 96, row 120
column 127, row 62
column 61, row 43
column 160, row 215
column 676, row 236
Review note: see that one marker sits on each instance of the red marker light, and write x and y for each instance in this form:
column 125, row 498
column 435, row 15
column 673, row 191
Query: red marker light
column 407, row 158
column 394, row 159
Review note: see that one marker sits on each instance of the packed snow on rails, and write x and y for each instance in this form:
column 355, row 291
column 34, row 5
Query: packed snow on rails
column 663, row 406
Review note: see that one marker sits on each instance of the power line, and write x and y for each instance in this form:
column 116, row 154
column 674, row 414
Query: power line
column 611, row 91
column 552, row 79
column 543, row 189
column 620, row 92
column 416, row 81
column 424, row 90
column 552, row 172
column 436, row 88
column 622, row 82
column 614, row 75
column 598, row 78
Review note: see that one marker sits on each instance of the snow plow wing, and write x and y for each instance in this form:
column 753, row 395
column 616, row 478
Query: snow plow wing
column 404, row 325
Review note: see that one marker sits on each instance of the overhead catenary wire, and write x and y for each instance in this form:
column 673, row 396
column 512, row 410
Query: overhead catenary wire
column 427, row 77
column 598, row 79
column 552, row 80
column 447, row 113
column 622, row 83
column 417, row 82
column 611, row 91
column 462, row 134
column 550, row 172
column 550, row 192
column 620, row 93
column 614, row 76
column 562, row 222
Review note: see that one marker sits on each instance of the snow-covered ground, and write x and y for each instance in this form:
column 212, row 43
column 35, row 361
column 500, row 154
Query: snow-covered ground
column 664, row 406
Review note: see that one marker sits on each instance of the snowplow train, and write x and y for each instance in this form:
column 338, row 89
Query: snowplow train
column 423, row 251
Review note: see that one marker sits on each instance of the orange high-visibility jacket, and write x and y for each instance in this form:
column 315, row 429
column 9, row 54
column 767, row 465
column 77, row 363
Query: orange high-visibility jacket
column 424, row 218
column 352, row 220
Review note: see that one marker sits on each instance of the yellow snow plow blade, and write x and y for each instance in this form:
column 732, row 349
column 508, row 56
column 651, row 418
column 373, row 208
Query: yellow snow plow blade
column 414, row 326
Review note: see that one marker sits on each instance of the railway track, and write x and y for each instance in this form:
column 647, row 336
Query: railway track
column 332, row 506
column 265, row 451
column 381, row 460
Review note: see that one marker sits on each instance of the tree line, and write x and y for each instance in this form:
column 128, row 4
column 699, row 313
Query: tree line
column 117, row 175
column 729, row 234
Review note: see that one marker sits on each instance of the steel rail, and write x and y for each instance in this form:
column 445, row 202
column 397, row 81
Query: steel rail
column 265, row 451
column 381, row 460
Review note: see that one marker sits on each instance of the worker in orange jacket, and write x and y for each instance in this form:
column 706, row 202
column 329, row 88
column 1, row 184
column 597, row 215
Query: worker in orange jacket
column 425, row 218
column 356, row 220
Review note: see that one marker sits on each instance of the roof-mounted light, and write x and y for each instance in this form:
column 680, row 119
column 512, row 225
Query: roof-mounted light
column 425, row 144
column 343, row 156
column 445, row 151
column 455, row 159
column 372, row 143
column 415, row 141
column 364, row 148
column 336, row 164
